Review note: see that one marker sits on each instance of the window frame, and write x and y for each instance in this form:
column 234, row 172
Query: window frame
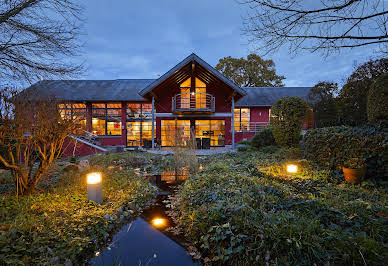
column 106, row 115
column 240, row 128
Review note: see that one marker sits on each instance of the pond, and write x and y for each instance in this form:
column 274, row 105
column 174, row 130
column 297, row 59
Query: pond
column 145, row 241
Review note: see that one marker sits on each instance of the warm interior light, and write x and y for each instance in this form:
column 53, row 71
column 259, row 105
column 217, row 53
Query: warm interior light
column 94, row 178
column 158, row 222
column 292, row 168
column 192, row 93
column 94, row 121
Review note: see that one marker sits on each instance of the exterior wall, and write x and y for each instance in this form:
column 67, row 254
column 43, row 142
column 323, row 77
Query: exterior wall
column 81, row 149
column 111, row 141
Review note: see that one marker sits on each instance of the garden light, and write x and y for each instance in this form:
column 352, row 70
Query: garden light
column 292, row 168
column 158, row 222
column 94, row 186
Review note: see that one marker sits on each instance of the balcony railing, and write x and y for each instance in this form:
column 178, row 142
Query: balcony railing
column 251, row 127
column 193, row 102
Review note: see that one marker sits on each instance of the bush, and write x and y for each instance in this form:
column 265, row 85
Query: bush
column 377, row 100
column 287, row 118
column 263, row 138
column 332, row 146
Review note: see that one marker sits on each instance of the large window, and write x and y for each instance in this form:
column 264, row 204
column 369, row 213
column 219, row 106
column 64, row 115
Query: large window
column 139, row 111
column 170, row 133
column 106, row 119
column 241, row 119
column 211, row 129
column 138, row 132
column 199, row 98
column 75, row 111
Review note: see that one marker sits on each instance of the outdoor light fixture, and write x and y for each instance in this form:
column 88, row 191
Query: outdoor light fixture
column 292, row 168
column 94, row 186
column 158, row 222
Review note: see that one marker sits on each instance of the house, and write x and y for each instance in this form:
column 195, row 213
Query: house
column 190, row 97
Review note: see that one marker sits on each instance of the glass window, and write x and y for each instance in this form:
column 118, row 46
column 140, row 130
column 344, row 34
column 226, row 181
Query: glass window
column 138, row 132
column 169, row 133
column 241, row 119
column 198, row 97
column 213, row 129
column 106, row 119
column 139, row 111
column 75, row 111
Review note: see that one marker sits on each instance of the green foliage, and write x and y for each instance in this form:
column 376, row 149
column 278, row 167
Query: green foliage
column 352, row 100
column 251, row 72
column 59, row 224
column 354, row 163
column 244, row 209
column 322, row 98
column 263, row 138
column 378, row 101
column 287, row 116
column 332, row 146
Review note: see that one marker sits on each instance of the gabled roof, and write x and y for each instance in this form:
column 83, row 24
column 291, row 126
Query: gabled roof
column 184, row 62
column 267, row 96
column 91, row 90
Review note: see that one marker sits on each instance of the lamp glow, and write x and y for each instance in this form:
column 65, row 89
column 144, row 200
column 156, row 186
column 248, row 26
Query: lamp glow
column 158, row 222
column 94, row 178
column 292, row 168
column 94, row 186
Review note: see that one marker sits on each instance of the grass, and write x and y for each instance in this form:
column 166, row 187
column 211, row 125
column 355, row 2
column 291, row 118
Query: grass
column 245, row 209
column 58, row 224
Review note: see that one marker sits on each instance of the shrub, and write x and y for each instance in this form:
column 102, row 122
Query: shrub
column 263, row 138
column 377, row 100
column 287, row 116
column 332, row 146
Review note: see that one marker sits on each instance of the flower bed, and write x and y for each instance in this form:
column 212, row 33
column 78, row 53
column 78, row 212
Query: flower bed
column 245, row 209
column 58, row 225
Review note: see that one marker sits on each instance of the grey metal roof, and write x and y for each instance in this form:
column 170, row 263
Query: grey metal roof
column 185, row 61
column 92, row 90
column 267, row 96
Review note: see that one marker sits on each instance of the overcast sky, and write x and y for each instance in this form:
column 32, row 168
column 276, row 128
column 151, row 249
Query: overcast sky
column 144, row 39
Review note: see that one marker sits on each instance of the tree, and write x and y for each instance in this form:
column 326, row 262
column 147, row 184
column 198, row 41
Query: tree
column 323, row 25
column 377, row 100
column 32, row 134
column 322, row 98
column 287, row 117
column 251, row 72
column 352, row 100
column 38, row 39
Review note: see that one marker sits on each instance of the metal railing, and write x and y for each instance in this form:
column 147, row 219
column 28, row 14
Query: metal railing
column 193, row 102
column 251, row 127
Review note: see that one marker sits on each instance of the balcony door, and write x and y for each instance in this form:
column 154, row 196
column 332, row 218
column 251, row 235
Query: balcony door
column 193, row 97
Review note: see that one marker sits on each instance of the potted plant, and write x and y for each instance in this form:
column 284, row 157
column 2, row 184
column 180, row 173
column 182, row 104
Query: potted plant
column 354, row 170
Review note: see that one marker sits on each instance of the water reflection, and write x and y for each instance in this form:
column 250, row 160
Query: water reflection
column 146, row 239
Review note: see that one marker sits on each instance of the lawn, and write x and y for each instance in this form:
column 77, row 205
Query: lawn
column 58, row 225
column 244, row 208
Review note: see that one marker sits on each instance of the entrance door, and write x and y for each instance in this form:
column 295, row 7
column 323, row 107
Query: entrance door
column 211, row 129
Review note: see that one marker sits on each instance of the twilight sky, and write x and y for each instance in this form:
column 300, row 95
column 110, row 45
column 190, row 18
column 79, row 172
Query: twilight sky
column 144, row 39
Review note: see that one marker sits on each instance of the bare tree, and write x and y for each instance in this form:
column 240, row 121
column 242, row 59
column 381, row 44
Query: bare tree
column 323, row 25
column 32, row 135
column 39, row 39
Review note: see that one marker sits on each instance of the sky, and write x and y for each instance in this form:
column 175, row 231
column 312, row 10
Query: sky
column 144, row 39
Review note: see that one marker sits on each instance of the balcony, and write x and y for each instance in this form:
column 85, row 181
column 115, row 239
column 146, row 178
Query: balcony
column 193, row 103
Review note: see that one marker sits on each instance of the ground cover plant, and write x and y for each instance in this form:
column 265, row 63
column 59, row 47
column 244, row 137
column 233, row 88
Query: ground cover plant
column 58, row 225
column 244, row 208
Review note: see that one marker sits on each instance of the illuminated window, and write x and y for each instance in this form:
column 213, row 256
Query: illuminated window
column 75, row 111
column 197, row 98
column 138, row 132
column 212, row 129
column 241, row 119
column 170, row 133
column 106, row 119
column 139, row 111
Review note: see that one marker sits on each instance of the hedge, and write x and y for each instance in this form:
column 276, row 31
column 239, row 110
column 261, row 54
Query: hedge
column 331, row 146
column 377, row 101
column 263, row 138
column 287, row 116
